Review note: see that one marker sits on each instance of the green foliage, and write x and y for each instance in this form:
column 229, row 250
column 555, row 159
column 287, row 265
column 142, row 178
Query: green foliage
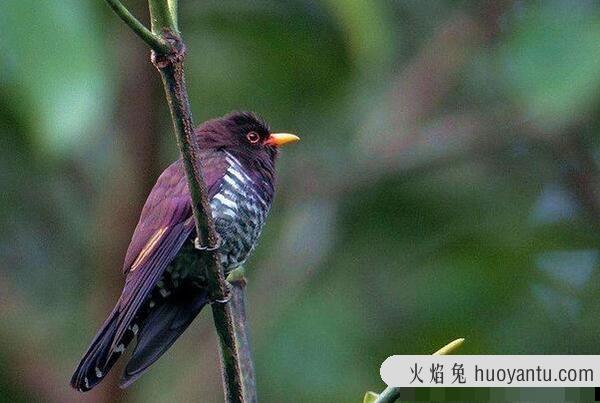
column 551, row 61
column 55, row 71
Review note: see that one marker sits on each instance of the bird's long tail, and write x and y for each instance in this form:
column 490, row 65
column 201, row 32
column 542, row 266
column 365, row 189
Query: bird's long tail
column 102, row 353
column 157, row 326
column 161, row 328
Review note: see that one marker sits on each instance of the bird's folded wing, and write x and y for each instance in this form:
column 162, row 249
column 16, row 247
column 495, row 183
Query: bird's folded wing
column 166, row 222
column 169, row 205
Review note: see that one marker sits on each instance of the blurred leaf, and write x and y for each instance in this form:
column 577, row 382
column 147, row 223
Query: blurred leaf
column 283, row 61
column 552, row 60
column 367, row 32
column 573, row 267
column 554, row 204
column 54, row 58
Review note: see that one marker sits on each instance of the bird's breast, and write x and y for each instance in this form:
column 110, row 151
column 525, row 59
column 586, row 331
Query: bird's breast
column 239, row 210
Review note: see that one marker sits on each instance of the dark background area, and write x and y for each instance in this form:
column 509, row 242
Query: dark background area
column 446, row 185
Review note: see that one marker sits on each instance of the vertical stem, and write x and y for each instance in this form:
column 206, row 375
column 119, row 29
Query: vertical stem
column 163, row 15
column 168, row 53
column 172, row 4
column 242, row 340
column 229, row 317
column 171, row 70
column 238, row 369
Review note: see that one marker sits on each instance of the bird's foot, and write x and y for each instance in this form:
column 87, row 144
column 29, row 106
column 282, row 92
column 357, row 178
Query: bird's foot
column 198, row 245
column 227, row 296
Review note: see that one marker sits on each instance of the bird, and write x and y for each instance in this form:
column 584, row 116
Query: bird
column 165, row 286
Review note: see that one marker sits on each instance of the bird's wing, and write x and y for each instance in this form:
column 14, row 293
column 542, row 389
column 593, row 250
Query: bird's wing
column 165, row 224
column 168, row 209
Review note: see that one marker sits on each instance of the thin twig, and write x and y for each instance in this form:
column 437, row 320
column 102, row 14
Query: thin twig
column 154, row 41
column 240, row 333
column 229, row 317
column 168, row 53
column 163, row 15
column 224, row 317
column 391, row 394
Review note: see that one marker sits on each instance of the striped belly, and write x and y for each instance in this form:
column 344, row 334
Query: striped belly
column 239, row 212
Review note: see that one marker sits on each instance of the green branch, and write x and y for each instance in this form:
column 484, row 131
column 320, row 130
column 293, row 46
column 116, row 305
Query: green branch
column 391, row 394
column 154, row 41
column 163, row 15
column 450, row 347
column 229, row 311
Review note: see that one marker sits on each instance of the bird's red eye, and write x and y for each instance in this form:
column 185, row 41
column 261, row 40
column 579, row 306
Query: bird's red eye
column 253, row 137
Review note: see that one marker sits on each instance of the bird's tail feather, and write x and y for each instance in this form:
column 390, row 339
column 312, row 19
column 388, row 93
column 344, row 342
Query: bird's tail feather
column 161, row 328
column 101, row 355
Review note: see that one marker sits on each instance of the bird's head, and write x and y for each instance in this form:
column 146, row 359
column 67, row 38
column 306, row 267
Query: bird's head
column 244, row 134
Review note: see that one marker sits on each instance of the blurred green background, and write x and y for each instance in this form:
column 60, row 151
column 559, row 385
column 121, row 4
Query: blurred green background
column 447, row 184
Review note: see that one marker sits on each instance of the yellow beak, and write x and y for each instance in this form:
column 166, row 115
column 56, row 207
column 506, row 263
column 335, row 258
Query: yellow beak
column 279, row 139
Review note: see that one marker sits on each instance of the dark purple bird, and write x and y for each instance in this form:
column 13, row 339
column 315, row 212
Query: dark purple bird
column 164, row 289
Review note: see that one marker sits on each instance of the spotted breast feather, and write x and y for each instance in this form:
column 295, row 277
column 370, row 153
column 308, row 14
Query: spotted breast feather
column 240, row 208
